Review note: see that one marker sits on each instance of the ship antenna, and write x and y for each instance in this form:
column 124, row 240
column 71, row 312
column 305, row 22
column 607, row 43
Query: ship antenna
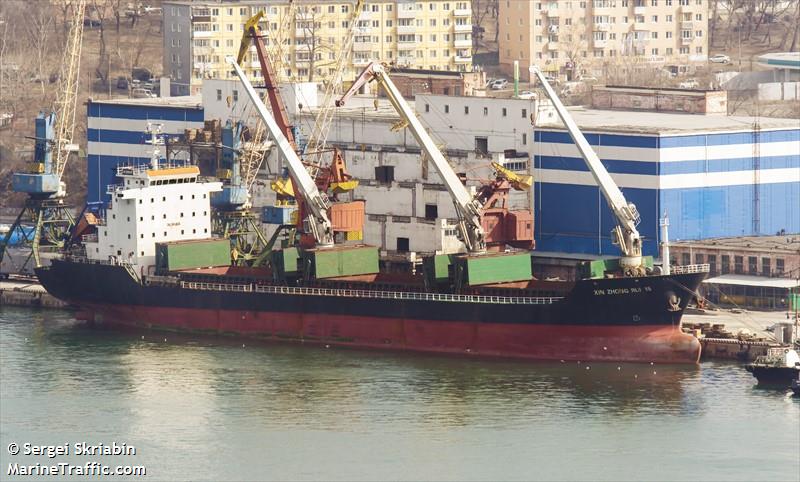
column 154, row 130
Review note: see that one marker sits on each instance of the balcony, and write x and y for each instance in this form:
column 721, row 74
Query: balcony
column 405, row 60
column 462, row 59
column 411, row 41
column 686, row 40
column 462, row 12
column 599, row 44
column 638, row 10
column 362, row 46
column 202, row 34
column 406, row 12
column 302, row 46
column 687, row 25
column 406, row 29
column 462, row 43
column 301, row 33
column 360, row 61
column 552, row 45
column 201, row 18
column 602, row 27
column 302, row 61
column 466, row 27
column 552, row 11
column 307, row 15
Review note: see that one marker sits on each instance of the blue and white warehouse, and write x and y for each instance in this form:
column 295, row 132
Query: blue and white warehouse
column 117, row 134
column 714, row 176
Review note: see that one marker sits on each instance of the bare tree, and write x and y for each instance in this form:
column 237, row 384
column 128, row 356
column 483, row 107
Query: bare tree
column 38, row 27
column 572, row 39
column 309, row 21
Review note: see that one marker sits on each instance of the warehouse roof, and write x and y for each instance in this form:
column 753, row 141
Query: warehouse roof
column 757, row 281
column 789, row 244
column 665, row 124
column 186, row 101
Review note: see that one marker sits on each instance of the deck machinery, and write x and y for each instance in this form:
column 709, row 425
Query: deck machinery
column 45, row 208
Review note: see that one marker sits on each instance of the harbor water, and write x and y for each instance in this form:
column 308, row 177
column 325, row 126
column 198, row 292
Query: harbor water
column 197, row 408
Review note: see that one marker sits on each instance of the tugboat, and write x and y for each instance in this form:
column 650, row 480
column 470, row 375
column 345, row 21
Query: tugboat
column 780, row 366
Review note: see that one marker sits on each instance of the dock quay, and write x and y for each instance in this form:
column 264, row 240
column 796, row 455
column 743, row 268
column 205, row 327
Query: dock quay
column 23, row 291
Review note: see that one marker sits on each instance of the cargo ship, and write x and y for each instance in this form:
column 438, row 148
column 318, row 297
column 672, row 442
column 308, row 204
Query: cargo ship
column 152, row 263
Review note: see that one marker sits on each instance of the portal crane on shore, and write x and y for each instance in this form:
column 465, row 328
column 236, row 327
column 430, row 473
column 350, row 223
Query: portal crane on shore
column 316, row 202
column 468, row 208
column 625, row 234
column 43, row 183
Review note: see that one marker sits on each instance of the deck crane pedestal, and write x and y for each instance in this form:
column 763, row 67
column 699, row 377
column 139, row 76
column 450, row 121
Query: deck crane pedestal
column 625, row 235
column 45, row 207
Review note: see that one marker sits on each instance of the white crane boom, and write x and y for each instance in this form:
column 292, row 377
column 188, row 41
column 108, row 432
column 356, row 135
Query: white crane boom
column 625, row 233
column 315, row 201
column 67, row 92
column 468, row 209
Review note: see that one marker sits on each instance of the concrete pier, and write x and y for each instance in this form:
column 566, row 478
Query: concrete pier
column 27, row 292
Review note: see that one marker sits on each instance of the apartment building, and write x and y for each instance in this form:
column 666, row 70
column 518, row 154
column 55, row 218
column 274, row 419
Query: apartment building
column 573, row 38
column 305, row 39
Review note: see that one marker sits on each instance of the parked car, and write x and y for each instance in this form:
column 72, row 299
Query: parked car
column 142, row 94
column 719, row 59
column 122, row 83
column 499, row 84
column 489, row 83
column 526, row 94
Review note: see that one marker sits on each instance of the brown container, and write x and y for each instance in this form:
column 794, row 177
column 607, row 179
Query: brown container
column 494, row 226
column 348, row 216
column 519, row 226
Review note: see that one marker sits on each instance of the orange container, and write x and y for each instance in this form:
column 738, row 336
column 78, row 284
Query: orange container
column 348, row 216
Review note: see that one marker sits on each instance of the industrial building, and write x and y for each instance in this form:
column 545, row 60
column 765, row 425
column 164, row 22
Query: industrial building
column 116, row 134
column 571, row 38
column 198, row 35
column 713, row 175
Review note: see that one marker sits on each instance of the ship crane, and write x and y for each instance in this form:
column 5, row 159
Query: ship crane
column 316, row 202
column 43, row 183
column 468, row 209
column 625, row 234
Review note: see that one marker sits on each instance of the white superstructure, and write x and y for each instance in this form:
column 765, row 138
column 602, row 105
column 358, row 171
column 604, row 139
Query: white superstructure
column 152, row 206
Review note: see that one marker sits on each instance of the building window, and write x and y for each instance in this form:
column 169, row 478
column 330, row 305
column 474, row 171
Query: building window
column 427, row 108
column 524, row 113
column 431, row 211
column 446, row 109
column 698, row 258
column 219, row 94
column 402, row 245
column 726, row 264
column 752, row 264
column 712, row 263
column 524, row 139
column 686, row 259
column 505, row 112
column 738, row 264
column 779, row 266
column 485, row 111
column 466, row 109
column 482, row 145
column 765, row 267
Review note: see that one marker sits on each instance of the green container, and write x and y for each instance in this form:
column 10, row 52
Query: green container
column 494, row 268
column 343, row 261
column 284, row 261
column 437, row 268
column 202, row 253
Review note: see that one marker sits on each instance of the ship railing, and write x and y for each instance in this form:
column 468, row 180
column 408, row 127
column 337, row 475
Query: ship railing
column 691, row 268
column 394, row 295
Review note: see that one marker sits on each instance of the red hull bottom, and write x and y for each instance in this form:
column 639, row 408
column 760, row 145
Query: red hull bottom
column 649, row 343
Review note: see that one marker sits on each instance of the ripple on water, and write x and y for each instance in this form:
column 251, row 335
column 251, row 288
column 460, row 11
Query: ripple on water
column 291, row 412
